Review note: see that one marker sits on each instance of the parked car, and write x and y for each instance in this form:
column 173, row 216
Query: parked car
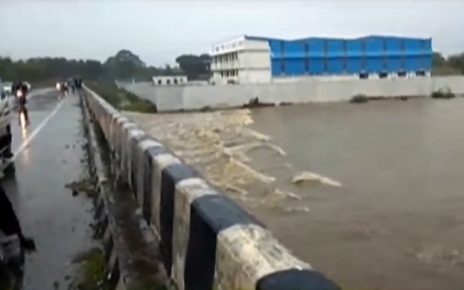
column 7, row 87
column 5, row 129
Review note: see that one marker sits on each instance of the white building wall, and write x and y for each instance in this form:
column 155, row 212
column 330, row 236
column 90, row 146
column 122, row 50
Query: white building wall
column 255, row 60
column 250, row 44
column 241, row 60
column 169, row 80
column 257, row 76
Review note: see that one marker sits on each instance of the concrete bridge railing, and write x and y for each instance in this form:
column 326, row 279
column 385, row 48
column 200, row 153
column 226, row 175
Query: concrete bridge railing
column 207, row 241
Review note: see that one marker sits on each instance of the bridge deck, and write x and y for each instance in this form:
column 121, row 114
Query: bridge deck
column 49, row 156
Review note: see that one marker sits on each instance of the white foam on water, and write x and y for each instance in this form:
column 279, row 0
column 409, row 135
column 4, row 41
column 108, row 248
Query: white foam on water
column 307, row 176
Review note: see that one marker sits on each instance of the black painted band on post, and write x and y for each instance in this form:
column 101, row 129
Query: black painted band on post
column 209, row 215
column 170, row 176
column 150, row 154
column 295, row 279
column 134, row 159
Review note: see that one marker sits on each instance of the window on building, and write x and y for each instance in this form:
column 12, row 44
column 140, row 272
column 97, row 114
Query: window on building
column 160, row 82
column 168, row 81
column 383, row 75
column 175, row 81
column 420, row 73
column 402, row 74
column 363, row 76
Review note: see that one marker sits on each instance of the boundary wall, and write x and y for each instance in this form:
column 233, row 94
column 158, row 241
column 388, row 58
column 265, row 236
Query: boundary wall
column 299, row 91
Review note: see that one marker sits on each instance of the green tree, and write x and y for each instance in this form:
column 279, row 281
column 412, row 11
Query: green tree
column 438, row 59
column 457, row 62
column 194, row 66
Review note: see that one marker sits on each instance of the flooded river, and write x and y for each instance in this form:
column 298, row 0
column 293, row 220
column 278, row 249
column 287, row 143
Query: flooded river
column 370, row 194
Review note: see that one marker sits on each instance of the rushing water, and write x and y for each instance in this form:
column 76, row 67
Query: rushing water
column 398, row 220
column 370, row 194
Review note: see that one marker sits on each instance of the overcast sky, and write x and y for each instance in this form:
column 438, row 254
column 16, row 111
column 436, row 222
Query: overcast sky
column 158, row 31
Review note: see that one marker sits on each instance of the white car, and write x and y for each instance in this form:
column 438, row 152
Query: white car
column 5, row 129
column 7, row 87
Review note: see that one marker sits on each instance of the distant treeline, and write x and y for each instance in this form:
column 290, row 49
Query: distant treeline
column 123, row 66
column 451, row 65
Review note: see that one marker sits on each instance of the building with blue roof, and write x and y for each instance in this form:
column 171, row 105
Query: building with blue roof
column 253, row 59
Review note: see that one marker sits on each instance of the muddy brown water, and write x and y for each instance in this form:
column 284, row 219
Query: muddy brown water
column 396, row 221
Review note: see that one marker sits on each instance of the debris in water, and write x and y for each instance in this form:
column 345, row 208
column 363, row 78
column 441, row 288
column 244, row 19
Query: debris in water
column 437, row 254
column 307, row 176
column 297, row 209
column 277, row 149
column 287, row 194
column 66, row 146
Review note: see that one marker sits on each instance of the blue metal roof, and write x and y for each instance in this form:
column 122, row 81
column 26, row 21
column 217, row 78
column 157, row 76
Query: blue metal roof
column 251, row 37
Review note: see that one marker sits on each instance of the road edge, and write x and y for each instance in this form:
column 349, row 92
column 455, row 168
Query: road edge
column 118, row 220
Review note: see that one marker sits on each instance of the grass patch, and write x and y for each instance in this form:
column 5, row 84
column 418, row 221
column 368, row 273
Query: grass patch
column 443, row 94
column 92, row 274
column 122, row 99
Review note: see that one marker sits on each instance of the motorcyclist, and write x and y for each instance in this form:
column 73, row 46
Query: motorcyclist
column 21, row 91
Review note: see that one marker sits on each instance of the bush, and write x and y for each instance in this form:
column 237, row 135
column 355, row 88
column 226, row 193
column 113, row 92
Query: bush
column 443, row 94
column 359, row 99
column 142, row 106
column 122, row 99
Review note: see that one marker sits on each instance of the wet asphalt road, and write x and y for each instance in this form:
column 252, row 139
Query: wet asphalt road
column 49, row 213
